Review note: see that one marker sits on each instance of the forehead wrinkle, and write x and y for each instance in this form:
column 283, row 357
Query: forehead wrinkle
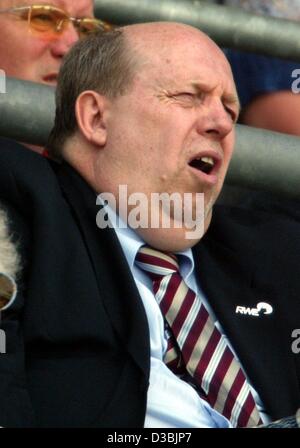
column 228, row 98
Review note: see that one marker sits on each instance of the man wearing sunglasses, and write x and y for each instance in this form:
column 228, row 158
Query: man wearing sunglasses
column 34, row 36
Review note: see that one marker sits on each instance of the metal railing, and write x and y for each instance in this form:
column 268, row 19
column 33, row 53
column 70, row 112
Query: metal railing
column 26, row 111
column 263, row 160
column 228, row 26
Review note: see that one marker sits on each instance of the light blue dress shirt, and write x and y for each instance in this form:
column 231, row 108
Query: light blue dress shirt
column 171, row 402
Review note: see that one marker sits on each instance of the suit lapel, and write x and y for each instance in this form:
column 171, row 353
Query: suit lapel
column 260, row 342
column 115, row 282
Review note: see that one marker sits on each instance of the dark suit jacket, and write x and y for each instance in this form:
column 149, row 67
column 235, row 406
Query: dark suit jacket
column 77, row 335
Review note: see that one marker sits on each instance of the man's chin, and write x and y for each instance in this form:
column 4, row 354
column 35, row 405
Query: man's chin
column 173, row 235
column 172, row 239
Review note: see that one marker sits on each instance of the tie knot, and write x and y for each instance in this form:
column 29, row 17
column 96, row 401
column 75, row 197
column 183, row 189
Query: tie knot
column 156, row 262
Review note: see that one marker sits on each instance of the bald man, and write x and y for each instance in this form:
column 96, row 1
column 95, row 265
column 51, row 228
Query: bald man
column 129, row 321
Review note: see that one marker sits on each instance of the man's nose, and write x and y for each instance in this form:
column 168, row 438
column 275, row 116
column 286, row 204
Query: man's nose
column 217, row 122
column 64, row 41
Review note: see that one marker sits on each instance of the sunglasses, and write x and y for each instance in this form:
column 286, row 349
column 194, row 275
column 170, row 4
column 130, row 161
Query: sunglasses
column 49, row 22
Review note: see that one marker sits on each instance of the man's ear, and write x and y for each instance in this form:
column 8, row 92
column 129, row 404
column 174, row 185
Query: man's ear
column 90, row 114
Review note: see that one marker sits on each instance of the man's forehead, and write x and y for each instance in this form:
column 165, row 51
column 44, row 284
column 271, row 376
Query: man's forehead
column 193, row 65
column 175, row 44
column 168, row 35
column 176, row 67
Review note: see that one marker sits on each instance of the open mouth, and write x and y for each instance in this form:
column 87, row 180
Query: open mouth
column 204, row 164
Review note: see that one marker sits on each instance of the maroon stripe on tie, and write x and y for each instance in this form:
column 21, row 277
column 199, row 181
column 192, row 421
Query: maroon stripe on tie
column 156, row 261
column 195, row 332
column 167, row 299
column 183, row 311
column 171, row 288
column 218, row 377
column 246, row 411
column 207, row 353
column 233, row 393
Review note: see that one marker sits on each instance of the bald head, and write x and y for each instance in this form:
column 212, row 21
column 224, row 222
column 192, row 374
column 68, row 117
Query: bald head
column 163, row 40
column 155, row 35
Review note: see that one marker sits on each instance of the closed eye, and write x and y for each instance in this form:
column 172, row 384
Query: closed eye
column 189, row 98
column 232, row 113
column 184, row 95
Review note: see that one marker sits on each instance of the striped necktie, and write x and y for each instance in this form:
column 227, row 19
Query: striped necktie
column 205, row 354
